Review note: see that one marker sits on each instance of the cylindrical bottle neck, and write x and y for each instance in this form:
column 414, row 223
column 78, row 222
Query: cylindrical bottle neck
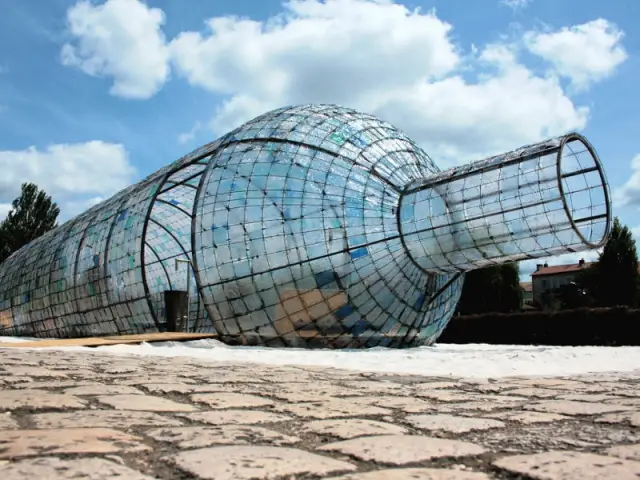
column 541, row 200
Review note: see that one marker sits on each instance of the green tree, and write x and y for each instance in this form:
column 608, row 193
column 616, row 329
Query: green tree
column 613, row 279
column 33, row 213
column 491, row 289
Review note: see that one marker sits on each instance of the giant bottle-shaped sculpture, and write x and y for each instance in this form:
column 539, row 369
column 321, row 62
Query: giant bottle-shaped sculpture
column 312, row 225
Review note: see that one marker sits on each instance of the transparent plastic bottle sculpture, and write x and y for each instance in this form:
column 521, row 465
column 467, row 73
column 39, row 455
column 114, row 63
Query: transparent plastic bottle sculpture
column 312, row 225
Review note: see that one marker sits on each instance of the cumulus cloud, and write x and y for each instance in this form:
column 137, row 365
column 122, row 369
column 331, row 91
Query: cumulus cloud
column 120, row 39
column 75, row 175
column 374, row 55
column 398, row 63
column 629, row 193
column 187, row 137
column 516, row 5
column 583, row 53
column 4, row 209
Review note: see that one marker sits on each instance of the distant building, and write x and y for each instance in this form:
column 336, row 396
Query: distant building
column 549, row 277
column 527, row 293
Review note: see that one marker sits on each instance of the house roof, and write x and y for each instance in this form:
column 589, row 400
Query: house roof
column 526, row 286
column 556, row 269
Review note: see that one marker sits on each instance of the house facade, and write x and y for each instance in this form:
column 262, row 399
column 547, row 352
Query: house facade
column 550, row 277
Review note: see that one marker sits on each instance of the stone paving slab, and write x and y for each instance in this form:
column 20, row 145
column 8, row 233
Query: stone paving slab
column 197, row 437
column 102, row 418
column 415, row 474
column 346, row 428
column 53, row 468
column 37, row 400
column 248, row 462
column 146, row 403
column 236, row 417
column 566, row 465
column 629, row 452
column 24, row 443
column 451, row 423
column 76, row 415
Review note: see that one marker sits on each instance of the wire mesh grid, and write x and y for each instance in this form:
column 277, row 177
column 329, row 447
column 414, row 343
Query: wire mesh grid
column 546, row 199
column 313, row 225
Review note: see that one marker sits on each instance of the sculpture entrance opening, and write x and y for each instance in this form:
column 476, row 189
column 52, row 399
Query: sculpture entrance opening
column 176, row 306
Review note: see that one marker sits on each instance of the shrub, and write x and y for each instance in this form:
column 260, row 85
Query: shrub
column 615, row 326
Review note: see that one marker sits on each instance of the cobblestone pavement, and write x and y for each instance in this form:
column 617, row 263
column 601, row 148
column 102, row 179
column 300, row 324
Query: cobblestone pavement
column 72, row 415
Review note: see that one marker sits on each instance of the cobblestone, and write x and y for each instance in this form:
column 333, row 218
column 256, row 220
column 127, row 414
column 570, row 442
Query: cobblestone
column 240, row 463
column 236, row 417
column 629, row 452
column 406, row 404
column 402, row 449
column 67, row 415
column 526, row 417
column 102, row 418
column 570, row 466
column 23, row 443
column 34, row 371
column 7, row 422
column 101, row 389
column 352, row 427
column 182, row 388
column 197, row 437
column 331, row 408
column 53, row 468
column 415, row 474
column 37, row 400
column 451, row 423
column 567, row 407
column 230, row 400
column 632, row 418
column 145, row 403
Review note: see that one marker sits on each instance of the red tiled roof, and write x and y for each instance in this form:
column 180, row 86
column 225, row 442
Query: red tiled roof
column 555, row 269
column 573, row 267
column 526, row 286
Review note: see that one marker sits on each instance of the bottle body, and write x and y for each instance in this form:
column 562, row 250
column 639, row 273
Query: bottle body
column 300, row 244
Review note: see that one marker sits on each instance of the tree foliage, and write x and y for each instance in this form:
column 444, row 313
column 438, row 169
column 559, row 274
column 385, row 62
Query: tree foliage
column 33, row 213
column 613, row 279
column 491, row 289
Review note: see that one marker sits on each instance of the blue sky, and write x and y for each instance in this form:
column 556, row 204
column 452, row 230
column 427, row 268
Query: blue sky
column 96, row 95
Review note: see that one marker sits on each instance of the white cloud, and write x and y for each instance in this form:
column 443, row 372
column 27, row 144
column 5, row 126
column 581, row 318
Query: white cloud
column 516, row 5
column 629, row 193
column 75, row 175
column 4, row 209
column 373, row 55
column 382, row 58
column 73, row 207
column 583, row 53
column 121, row 39
column 191, row 134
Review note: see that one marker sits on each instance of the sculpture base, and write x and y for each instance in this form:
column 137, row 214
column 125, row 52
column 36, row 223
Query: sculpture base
column 110, row 340
column 315, row 341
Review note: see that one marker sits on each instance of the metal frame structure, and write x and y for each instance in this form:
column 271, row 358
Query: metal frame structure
column 313, row 225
